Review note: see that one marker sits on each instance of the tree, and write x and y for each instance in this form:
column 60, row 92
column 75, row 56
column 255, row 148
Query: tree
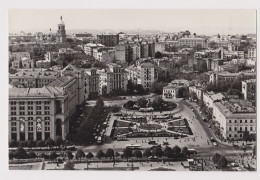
column 142, row 102
column 158, row 103
column 128, row 153
column 216, row 158
column 100, row 102
column 130, row 87
column 246, row 136
column 129, row 104
column 110, row 153
column 69, row 165
column 13, row 143
column 176, row 151
column 49, row 142
column 40, row 143
column 168, row 152
column 222, row 163
column 58, row 141
column 20, row 64
column 53, row 156
column 100, row 154
column 89, row 155
column 138, row 154
column 140, row 89
column 80, row 154
column 157, row 87
column 11, row 155
column 69, row 154
column 158, row 55
column 147, row 153
column 157, row 151
column 185, row 151
column 32, row 155
column 202, row 67
column 20, row 153
column 213, row 44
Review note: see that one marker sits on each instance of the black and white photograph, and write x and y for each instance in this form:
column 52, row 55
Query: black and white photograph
column 132, row 90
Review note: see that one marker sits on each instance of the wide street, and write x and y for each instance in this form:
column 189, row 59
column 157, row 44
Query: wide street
column 200, row 130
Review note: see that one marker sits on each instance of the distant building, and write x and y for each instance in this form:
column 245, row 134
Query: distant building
column 43, row 64
column 192, row 42
column 252, row 53
column 109, row 40
column 19, row 55
column 173, row 88
column 61, row 32
column 24, row 63
column 88, row 48
column 92, row 81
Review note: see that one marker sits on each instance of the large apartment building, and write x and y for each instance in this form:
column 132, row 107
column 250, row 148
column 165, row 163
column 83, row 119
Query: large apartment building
column 40, row 113
column 109, row 40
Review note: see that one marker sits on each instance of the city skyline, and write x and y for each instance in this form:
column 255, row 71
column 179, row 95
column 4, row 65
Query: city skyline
column 206, row 22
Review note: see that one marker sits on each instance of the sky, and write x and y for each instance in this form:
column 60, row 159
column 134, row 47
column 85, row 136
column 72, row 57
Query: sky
column 197, row 21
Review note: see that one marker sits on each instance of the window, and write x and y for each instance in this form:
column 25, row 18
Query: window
column 21, row 102
column 13, row 124
column 22, row 113
column 13, row 118
column 240, row 121
column 245, row 128
column 13, row 108
column 38, row 102
column 13, row 129
column 13, row 113
column 30, row 123
column 21, row 107
column 47, row 112
column 13, row 103
column 47, row 118
column 235, row 121
column 235, row 129
column 251, row 121
column 38, row 107
column 240, row 128
column 47, row 107
column 38, row 113
column 30, row 112
column 47, row 123
column 30, row 128
column 47, row 128
column 251, row 128
column 245, row 121
column 47, row 102
column 230, row 129
column 30, row 102
column 230, row 121
column 30, row 107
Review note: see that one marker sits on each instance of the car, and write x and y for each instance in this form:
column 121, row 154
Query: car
column 215, row 144
column 152, row 158
column 152, row 142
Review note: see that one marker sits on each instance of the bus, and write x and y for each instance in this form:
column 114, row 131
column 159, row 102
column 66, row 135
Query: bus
column 133, row 146
column 192, row 151
column 99, row 140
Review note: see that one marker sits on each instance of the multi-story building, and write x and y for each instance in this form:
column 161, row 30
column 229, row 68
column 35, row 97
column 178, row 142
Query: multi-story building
column 251, row 53
column 159, row 47
column 233, row 120
column 24, row 63
column 197, row 90
column 209, row 98
column 33, row 78
column 88, row 48
column 172, row 89
column 43, row 64
column 40, row 113
column 146, row 74
column 151, row 49
column 144, row 47
column 92, row 80
column 19, row 55
column 109, row 40
column 113, row 80
column 249, row 89
column 192, row 42
column 218, row 77
column 104, row 55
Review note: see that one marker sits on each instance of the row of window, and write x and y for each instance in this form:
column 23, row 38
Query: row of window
column 30, row 118
column 30, row 126
column 29, row 102
column 240, row 129
column 13, row 113
column 241, row 121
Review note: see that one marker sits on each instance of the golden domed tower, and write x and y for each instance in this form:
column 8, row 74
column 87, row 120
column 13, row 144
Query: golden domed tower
column 61, row 33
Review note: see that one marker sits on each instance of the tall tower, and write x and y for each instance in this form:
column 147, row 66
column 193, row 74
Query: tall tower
column 61, row 33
